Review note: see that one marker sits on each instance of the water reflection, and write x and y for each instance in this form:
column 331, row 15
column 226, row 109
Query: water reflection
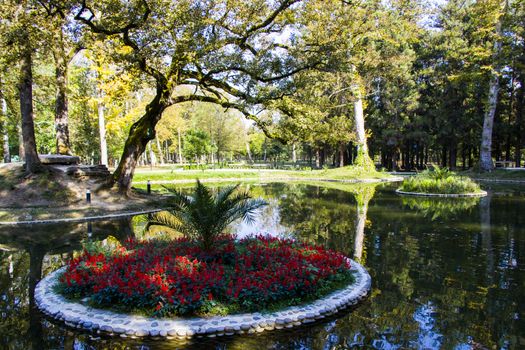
column 38, row 249
column 435, row 208
column 452, row 281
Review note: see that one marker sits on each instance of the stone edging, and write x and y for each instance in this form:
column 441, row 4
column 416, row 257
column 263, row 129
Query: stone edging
column 442, row 195
column 272, row 179
column 83, row 219
column 99, row 321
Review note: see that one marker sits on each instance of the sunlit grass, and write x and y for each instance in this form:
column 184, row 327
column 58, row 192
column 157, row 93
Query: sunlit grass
column 344, row 173
column 440, row 181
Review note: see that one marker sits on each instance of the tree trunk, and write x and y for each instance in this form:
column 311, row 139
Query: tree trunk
column 248, row 152
column 519, row 121
column 5, row 136
column 180, row 145
column 452, row 156
column 152, row 157
column 359, row 120
column 102, row 130
column 61, row 108
column 25, row 88
column 141, row 132
column 21, row 151
column 161, row 155
column 294, row 153
column 486, row 163
column 317, row 158
column 342, row 154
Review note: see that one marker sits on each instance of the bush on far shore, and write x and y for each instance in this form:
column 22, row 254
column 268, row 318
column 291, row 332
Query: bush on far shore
column 440, row 180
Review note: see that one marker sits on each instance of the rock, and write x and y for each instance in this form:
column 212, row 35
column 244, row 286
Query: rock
column 88, row 171
column 141, row 333
column 58, row 159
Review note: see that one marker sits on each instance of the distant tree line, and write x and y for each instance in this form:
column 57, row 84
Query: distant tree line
column 324, row 83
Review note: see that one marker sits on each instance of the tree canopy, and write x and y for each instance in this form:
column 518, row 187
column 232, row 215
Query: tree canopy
column 308, row 81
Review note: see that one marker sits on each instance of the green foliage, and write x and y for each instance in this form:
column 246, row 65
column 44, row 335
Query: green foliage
column 205, row 215
column 196, row 144
column 436, row 208
column 438, row 173
column 440, row 180
column 364, row 161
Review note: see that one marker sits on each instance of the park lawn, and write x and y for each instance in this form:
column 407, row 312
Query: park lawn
column 497, row 174
column 166, row 175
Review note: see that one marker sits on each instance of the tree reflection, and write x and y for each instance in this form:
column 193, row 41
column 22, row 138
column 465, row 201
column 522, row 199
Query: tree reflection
column 28, row 252
column 435, row 208
column 452, row 282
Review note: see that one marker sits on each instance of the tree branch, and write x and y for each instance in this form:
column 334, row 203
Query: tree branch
column 263, row 125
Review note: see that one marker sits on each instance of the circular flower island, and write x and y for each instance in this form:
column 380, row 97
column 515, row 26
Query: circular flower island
column 440, row 182
column 178, row 289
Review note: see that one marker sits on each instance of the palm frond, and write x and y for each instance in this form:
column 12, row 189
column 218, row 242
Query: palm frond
column 205, row 214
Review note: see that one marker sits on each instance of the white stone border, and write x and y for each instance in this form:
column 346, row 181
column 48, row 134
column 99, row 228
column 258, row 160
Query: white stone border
column 443, row 195
column 99, row 321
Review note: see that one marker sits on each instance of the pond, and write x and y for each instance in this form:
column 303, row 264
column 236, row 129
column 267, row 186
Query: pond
column 445, row 274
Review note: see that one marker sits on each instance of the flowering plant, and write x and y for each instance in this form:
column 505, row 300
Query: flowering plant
column 180, row 277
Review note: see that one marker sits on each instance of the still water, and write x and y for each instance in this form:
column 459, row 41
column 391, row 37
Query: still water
column 446, row 274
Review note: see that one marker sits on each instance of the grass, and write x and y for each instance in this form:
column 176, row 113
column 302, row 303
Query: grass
column 440, row 181
column 344, row 173
column 497, row 174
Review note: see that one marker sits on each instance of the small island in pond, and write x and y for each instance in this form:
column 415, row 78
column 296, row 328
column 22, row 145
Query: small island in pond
column 179, row 277
column 440, row 182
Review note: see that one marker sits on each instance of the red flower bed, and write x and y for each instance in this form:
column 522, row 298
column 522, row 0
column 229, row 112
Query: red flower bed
column 177, row 277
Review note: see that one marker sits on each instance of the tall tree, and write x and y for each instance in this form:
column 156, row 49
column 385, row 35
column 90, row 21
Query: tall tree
column 64, row 49
column 228, row 49
column 25, row 87
column 486, row 162
column 19, row 30
column 5, row 133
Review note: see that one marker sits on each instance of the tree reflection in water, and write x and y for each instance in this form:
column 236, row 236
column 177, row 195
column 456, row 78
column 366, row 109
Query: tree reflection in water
column 34, row 250
column 451, row 281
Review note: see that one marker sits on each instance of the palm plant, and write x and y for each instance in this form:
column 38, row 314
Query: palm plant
column 438, row 173
column 204, row 214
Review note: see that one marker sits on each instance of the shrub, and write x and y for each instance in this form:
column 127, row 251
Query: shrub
column 179, row 277
column 440, row 180
column 204, row 215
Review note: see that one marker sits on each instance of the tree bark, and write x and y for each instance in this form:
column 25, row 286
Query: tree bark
column 180, row 145
column 102, row 130
column 25, row 88
column 152, row 157
column 519, row 121
column 359, row 120
column 486, row 163
column 294, row 153
column 141, row 132
column 21, row 151
column 5, row 136
column 249, row 152
column 161, row 155
column 61, row 108
column 341, row 154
